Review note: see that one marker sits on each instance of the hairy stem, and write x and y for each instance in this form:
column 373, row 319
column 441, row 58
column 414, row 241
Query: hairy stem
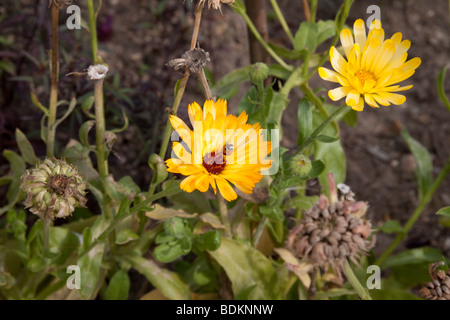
column 416, row 214
column 353, row 280
column 53, row 104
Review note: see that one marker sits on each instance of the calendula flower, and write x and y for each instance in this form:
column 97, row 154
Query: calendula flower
column 373, row 67
column 221, row 149
column 54, row 189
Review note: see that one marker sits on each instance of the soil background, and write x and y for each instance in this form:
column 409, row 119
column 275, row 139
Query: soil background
column 137, row 39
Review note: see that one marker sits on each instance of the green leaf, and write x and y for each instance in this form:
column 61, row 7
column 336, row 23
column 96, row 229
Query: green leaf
column 246, row 267
column 126, row 235
column 444, row 212
column 161, row 213
column 84, row 132
column 62, row 244
column 72, row 105
column 168, row 282
column 305, row 120
column 36, row 264
column 326, row 139
column 38, row 104
column 277, row 105
column 424, row 169
column 208, row 241
column 286, row 53
column 413, row 256
column 317, row 168
column 325, row 30
column 194, row 202
column 351, row 118
column 333, row 156
column 225, row 87
column 277, row 71
column 14, row 193
column 441, row 87
column 91, row 263
column 118, row 286
column 25, row 147
column 391, row 226
column 306, row 36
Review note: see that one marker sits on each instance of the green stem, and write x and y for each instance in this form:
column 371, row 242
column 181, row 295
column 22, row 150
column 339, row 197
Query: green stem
column 283, row 22
column 141, row 206
column 239, row 9
column 223, row 211
column 319, row 129
column 53, row 104
column 416, row 214
column 102, row 161
column 353, row 280
column 176, row 104
column 312, row 17
column 317, row 102
column 45, row 237
column 93, row 31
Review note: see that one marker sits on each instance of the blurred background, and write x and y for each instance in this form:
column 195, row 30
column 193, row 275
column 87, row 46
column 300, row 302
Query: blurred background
column 137, row 39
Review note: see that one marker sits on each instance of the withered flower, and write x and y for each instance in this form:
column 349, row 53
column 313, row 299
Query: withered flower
column 54, row 189
column 332, row 231
column 193, row 60
column 439, row 288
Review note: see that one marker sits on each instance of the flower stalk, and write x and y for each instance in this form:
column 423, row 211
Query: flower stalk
column 54, row 71
column 353, row 280
column 93, row 31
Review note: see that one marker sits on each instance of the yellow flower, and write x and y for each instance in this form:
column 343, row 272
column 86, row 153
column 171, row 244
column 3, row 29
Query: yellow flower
column 220, row 149
column 373, row 67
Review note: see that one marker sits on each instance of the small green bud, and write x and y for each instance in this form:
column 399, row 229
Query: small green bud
column 300, row 165
column 259, row 72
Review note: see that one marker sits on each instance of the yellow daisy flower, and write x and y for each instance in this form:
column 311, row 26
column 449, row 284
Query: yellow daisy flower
column 373, row 67
column 220, row 149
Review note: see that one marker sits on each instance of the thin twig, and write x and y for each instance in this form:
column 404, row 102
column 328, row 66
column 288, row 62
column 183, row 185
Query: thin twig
column 306, row 10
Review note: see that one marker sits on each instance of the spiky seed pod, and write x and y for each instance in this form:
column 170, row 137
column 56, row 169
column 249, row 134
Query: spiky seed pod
column 54, row 189
column 332, row 231
column 439, row 288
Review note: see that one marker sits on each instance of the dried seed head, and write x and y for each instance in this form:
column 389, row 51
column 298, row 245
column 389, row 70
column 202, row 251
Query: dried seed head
column 439, row 288
column 97, row 72
column 193, row 60
column 54, row 189
column 330, row 233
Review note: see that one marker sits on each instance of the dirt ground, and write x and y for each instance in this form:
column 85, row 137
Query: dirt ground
column 138, row 39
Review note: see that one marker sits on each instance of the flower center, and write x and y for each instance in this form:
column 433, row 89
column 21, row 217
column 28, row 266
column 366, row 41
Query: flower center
column 214, row 163
column 363, row 76
column 59, row 183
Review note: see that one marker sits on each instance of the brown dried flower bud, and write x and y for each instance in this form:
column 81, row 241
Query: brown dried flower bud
column 439, row 288
column 332, row 232
column 54, row 188
column 193, row 60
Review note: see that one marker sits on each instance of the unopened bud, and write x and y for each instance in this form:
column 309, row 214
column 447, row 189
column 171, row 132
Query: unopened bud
column 300, row 165
column 259, row 72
